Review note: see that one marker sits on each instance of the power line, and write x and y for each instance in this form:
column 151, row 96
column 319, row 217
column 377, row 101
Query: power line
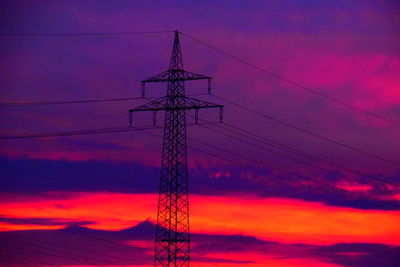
column 282, row 78
column 80, row 132
column 109, row 130
column 91, row 237
column 289, row 157
column 303, row 154
column 308, row 132
column 42, row 103
column 73, row 248
column 282, row 170
column 82, row 250
column 24, row 261
column 242, row 225
column 88, row 236
column 143, row 129
column 47, row 254
column 321, row 189
column 81, row 101
column 273, row 143
column 67, row 230
column 26, row 34
column 78, row 249
column 14, row 104
column 250, row 159
column 63, row 252
column 87, row 132
column 236, row 163
column 265, row 149
column 85, row 258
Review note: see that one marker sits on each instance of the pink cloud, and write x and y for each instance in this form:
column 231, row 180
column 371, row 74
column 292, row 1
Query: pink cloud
column 353, row 187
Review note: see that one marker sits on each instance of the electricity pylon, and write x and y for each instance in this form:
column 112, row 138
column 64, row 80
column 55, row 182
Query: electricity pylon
column 172, row 243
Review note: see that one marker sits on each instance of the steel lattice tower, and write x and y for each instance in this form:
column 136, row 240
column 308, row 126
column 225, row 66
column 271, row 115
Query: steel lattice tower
column 172, row 243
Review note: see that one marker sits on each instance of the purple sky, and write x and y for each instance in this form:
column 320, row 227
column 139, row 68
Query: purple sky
column 345, row 49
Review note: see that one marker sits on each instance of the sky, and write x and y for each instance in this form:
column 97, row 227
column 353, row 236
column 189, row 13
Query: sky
column 311, row 182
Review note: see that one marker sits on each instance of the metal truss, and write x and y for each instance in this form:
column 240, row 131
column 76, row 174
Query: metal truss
column 172, row 242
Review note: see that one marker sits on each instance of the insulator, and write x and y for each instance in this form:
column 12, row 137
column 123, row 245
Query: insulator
column 154, row 117
column 130, row 118
column 143, row 89
column 209, row 86
column 196, row 116
column 221, row 114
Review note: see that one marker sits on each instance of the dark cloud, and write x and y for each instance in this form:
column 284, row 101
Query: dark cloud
column 363, row 254
column 36, row 176
column 123, row 246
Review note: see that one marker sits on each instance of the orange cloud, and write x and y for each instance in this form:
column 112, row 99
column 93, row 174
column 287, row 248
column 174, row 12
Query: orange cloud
column 289, row 220
column 278, row 219
column 16, row 227
column 109, row 211
column 262, row 260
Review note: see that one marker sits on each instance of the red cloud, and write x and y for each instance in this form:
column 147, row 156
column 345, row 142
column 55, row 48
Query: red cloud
column 278, row 219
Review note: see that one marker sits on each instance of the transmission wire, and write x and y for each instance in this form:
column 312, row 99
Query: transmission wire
column 27, row 34
column 282, row 78
column 308, row 132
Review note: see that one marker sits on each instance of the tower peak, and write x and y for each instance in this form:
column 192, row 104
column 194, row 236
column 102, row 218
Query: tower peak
column 176, row 62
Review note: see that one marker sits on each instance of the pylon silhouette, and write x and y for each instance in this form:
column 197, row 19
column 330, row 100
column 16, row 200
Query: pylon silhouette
column 172, row 243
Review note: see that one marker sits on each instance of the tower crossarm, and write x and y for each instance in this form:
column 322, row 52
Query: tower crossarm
column 176, row 75
column 186, row 103
column 180, row 103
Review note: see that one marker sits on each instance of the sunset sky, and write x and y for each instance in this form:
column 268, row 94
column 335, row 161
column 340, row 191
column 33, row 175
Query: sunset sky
column 303, row 180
